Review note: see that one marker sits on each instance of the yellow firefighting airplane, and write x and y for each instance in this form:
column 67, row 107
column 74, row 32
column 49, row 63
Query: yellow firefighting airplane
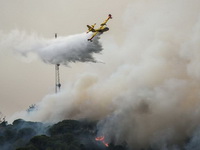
column 101, row 29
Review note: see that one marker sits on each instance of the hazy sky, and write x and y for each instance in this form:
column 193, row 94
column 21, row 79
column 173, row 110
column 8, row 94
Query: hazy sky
column 25, row 82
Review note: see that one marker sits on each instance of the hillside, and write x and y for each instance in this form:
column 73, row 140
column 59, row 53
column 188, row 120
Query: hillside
column 64, row 135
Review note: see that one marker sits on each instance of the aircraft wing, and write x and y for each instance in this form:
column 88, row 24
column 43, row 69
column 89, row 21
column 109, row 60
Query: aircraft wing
column 109, row 17
column 95, row 33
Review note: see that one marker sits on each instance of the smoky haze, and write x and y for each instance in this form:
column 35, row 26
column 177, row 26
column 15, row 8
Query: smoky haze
column 150, row 95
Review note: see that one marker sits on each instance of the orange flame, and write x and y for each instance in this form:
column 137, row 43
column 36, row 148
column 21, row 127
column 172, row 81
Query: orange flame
column 102, row 139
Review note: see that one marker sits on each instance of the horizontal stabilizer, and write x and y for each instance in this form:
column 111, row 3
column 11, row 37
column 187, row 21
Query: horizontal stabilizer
column 89, row 26
column 91, row 29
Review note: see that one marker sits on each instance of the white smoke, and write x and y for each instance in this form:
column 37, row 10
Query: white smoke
column 62, row 50
column 150, row 95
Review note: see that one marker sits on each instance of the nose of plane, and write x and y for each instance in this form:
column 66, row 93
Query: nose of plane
column 106, row 29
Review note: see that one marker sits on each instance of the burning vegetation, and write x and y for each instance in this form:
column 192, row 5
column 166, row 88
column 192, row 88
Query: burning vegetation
column 64, row 135
column 102, row 139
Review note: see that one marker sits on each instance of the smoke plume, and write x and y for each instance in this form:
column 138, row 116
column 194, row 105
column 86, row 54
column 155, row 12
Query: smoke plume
column 150, row 95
